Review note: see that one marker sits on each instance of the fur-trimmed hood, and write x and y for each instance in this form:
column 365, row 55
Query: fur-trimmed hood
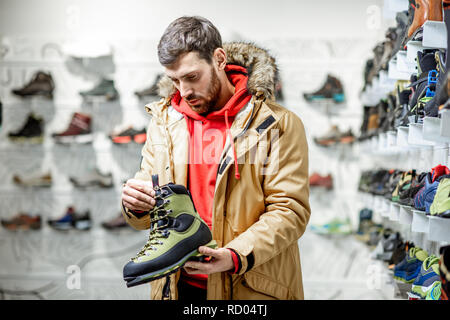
column 260, row 66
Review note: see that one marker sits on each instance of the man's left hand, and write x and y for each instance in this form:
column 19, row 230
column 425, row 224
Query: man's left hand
column 221, row 261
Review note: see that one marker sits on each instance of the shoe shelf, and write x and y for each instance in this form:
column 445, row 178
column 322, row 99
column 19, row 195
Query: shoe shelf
column 395, row 73
column 445, row 123
column 435, row 229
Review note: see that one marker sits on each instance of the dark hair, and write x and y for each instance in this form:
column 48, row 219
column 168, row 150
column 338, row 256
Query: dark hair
column 187, row 34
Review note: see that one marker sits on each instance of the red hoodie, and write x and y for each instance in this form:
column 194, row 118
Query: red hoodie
column 207, row 136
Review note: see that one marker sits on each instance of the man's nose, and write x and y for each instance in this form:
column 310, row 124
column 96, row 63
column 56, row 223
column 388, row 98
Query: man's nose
column 185, row 90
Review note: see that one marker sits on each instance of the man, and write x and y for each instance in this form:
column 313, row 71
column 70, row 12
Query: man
column 257, row 210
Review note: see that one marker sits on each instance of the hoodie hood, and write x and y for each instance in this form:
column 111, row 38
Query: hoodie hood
column 261, row 68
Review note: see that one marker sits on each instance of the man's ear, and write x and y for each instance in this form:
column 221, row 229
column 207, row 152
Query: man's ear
column 220, row 58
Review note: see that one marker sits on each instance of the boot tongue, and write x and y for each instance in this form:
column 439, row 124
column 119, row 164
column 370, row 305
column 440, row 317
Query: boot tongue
column 427, row 62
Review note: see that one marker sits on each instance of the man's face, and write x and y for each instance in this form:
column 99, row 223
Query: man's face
column 197, row 82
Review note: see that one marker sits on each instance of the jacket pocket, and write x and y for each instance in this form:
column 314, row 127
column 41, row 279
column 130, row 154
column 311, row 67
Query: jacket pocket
column 255, row 286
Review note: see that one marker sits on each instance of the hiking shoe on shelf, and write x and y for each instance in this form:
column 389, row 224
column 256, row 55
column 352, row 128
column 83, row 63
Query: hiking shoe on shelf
column 78, row 131
column 330, row 138
column 32, row 131
column 408, row 269
column 406, row 197
column 404, row 185
column 389, row 242
column 151, row 91
column 34, row 180
column 427, row 277
column 336, row 226
column 105, row 88
column 440, row 207
column 425, row 196
column 399, row 253
column 22, row 221
column 424, row 10
column 40, row 85
column 93, row 179
column 176, row 232
column 317, row 180
column 117, row 223
column 129, row 135
column 332, row 89
column 72, row 220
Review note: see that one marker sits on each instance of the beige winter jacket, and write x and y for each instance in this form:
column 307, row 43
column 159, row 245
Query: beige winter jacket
column 264, row 213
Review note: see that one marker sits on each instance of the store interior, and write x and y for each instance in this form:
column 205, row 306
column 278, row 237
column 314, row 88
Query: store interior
column 75, row 77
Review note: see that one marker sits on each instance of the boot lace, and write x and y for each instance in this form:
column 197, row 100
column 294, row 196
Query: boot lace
column 156, row 232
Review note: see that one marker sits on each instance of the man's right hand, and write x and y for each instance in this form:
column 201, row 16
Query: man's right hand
column 138, row 195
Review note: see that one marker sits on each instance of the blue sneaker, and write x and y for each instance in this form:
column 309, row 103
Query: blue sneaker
column 408, row 269
column 428, row 277
column 72, row 220
column 425, row 196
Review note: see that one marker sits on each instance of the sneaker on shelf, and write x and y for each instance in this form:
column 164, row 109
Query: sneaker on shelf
column 332, row 89
column 32, row 131
column 105, row 88
column 408, row 269
column 151, row 91
column 117, row 223
column 40, row 85
column 22, row 221
column 427, row 278
column 399, row 253
column 78, row 131
column 330, row 138
column 406, row 197
column 176, row 232
column 425, row 196
column 404, row 185
column 34, row 180
column 317, row 180
column 71, row 220
column 336, row 226
column 389, row 242
column 94, row 178
column 440, row 207
column 129, row 135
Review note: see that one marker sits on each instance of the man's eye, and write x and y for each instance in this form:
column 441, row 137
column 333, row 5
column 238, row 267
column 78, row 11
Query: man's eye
column 192, row 77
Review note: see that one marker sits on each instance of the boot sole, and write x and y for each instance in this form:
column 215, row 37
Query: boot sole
column 134, row 281
column 83, row 138
column 32, row 140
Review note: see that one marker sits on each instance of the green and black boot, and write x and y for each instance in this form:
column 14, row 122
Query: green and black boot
column 176, row 232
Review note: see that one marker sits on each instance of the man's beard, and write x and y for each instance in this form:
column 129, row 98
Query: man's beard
column 212, row 97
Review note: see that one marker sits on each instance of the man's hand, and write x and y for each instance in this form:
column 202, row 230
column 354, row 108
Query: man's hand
column 221, row 261
column 138, row 195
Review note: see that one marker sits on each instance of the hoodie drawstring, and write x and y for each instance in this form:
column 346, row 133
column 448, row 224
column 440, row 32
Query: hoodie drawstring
column 236, row 168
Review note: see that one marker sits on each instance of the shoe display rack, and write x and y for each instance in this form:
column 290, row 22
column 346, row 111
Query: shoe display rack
column 420, row 145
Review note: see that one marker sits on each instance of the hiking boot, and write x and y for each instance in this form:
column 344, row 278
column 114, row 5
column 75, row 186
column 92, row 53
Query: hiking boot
column 425, row 10
column 151, row 91
column 34, row 180
column 440, row 95
column 422, row 83
column 93, row 179
column 331, row 89
column 22, row 222
column 441, row 202
column 78, row 131
column 316, row 180
column 427, row 278
column 104, row 89
column 40, row 85
column 129, row 135
column 32, row 131
column 176, row 232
